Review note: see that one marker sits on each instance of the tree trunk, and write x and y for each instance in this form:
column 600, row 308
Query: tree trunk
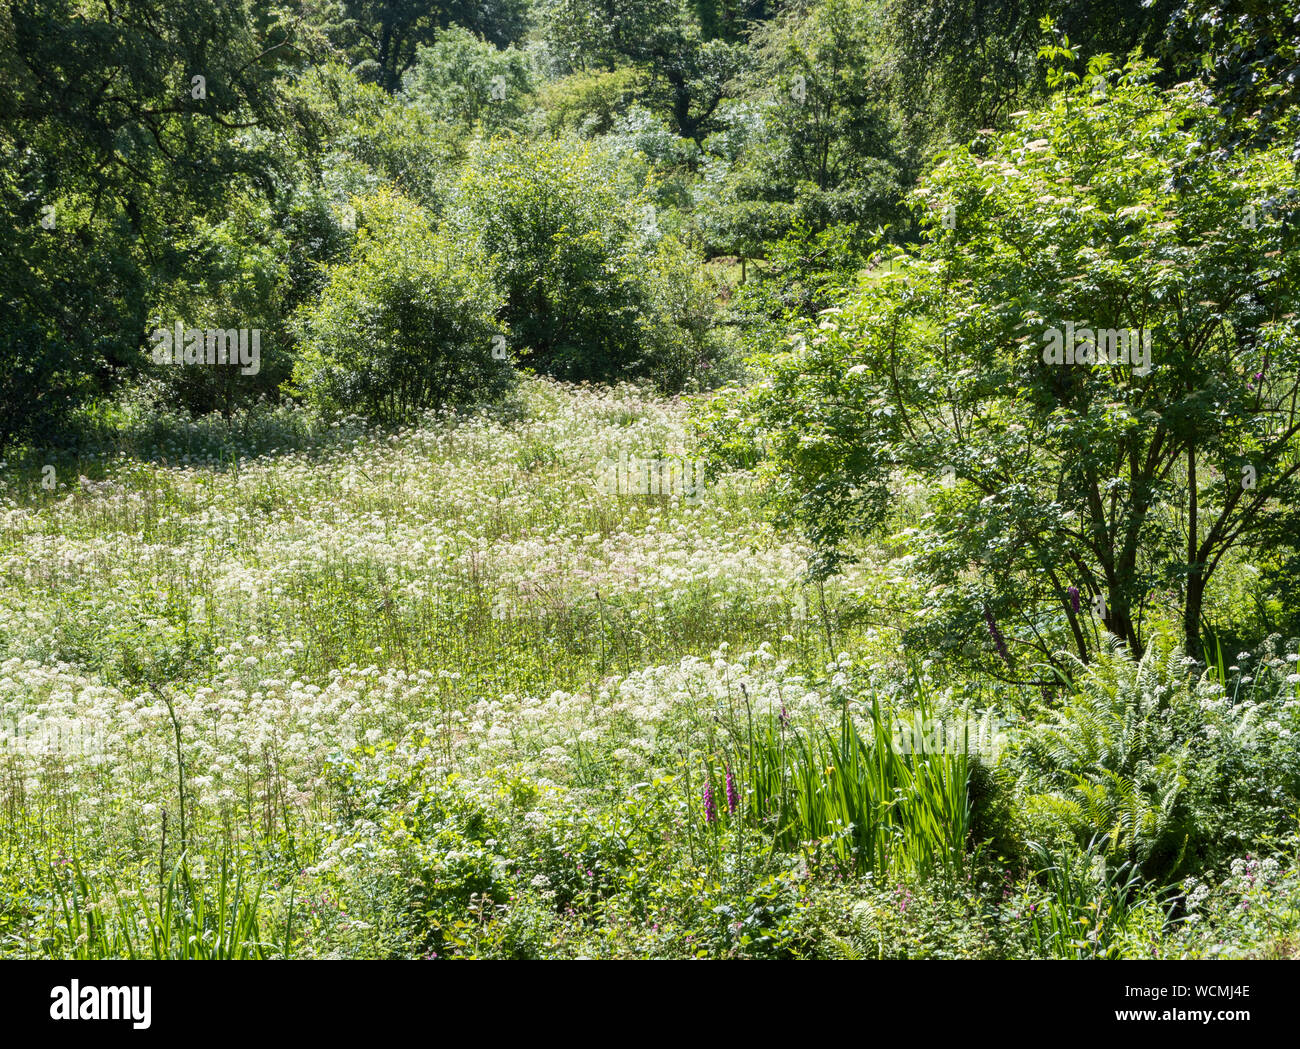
column 1195, row 570
column 1192, row 614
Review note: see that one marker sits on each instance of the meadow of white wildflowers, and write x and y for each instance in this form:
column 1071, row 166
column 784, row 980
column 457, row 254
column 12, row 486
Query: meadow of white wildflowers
column 443, row 692
column 214, row 631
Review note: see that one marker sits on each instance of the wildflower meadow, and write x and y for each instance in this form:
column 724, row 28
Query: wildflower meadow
column 791, row 480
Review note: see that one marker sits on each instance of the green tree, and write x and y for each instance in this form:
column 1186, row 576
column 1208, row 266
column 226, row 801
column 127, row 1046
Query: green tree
column 577, row 260
column 407, row 322
column 1251, row 52
column 382, row 37
column 963, row 65
column 369, row 137
column 463, row 80
column 119, row 123
column 1080, row 490
column 235, row 276
column 688, row 71
column 828, row 153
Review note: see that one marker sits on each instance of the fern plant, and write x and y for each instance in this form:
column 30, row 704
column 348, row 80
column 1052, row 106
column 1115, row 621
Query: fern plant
column 1112, row 763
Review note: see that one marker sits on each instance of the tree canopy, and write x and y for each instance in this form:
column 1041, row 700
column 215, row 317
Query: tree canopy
column 1090, row 365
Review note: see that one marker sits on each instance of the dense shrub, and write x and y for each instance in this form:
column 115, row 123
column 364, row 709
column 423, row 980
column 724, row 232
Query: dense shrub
column 406, row 323
column 590, row 292
column 420, row 851
column 1159, row 764
column 868, row 918
column 587, row 102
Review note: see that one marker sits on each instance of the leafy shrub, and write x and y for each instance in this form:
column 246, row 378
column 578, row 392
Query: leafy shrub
column 370, row 137
column 587, row 102
column 1156, row 760
column 414, row 855
column 805, row 272
column 682, row 345
column 870, row 919
column 235, row 277
column 588, row 295
column 405, row 324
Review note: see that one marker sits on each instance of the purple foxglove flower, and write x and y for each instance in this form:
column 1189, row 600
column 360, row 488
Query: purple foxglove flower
column 710, row 809
column 733, row 799
column 1074, row 598
column 998, row 641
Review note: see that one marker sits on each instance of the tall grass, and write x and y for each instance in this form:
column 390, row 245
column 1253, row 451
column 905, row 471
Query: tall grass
column 871, row 806
column 1088, row 903
column 189, row 921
